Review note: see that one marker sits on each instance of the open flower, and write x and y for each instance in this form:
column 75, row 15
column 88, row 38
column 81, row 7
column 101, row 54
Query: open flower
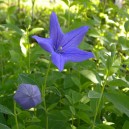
column 64, row 47
column 27, row 96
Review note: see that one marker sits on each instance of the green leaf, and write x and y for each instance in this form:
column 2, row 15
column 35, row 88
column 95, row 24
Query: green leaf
column 13, row 27
column 120, row 101
column 24, row 44
column 1, row 1
column 33, row 120
column 93, row 94
column 57, row 120
column 76, row 81
column 34, row 127
column 69, row 99
column 5, row 110
column 124, row 42
column 83, row 116
column 52, row 106
column 68, row 82
column 35, row 30
column 14, row 56
column 76, row 97
column 25, row 79
column 126, row 125
column 72, row 109
column 90, row 75
column 118, row 82
column 66, row 2
column 2, row 126
column 102, row 126
column 126, row 25
column 94, row 33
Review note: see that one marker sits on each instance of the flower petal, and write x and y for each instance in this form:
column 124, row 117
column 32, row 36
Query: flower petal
column 76, row 55
column 58, row 60
column 45, row 43
column 56, row 33
column 73, row 38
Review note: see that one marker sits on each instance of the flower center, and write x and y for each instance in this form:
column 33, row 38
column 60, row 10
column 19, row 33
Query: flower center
column 59, row 50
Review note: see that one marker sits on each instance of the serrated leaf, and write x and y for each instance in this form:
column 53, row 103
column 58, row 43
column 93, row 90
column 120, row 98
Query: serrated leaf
column 5, row 110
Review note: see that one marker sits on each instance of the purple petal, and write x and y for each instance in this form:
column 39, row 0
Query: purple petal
column 27, row 96
column 58, row 60
column 56, row 33
column 73, row 38
column 45, row 43
column 76, row 55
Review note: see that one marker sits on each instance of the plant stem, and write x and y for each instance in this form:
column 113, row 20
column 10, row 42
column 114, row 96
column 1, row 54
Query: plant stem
column 99, row 101
column 18, row 4
column 28, row 58
column 44, row 93
column 15, row 115
column 32, row 15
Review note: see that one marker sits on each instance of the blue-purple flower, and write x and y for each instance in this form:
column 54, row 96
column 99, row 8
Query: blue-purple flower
column 27, row 96
column 64, row 47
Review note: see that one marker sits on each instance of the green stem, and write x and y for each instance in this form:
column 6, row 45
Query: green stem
column 44, row 93
column 28, row 58
column 18, row 3
column 72, row 120
column 2, row 69
column 15, row 115
column 99, row 101
column 32, row 15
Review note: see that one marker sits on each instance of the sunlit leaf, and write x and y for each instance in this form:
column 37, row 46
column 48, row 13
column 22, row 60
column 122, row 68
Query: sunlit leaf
column 93, row 94
column 13, row 27
column 90, row 75
column 35, row 30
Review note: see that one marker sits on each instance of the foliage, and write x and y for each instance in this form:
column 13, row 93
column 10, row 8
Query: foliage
column 93, row 92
